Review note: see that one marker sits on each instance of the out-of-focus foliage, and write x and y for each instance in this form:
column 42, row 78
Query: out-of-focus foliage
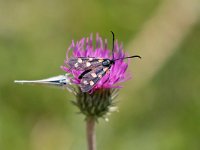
column 34, row 35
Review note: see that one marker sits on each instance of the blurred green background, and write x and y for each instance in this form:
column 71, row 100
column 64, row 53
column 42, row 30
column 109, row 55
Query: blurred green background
column 159, row 107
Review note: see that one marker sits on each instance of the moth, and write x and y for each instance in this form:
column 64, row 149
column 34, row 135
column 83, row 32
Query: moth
column 93, row 68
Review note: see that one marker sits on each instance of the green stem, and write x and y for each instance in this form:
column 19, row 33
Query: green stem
column 90, row 129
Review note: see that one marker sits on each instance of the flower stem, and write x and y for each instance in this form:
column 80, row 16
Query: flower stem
column 90, row 129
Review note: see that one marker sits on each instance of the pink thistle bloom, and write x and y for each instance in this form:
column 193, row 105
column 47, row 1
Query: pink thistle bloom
column 85, row 48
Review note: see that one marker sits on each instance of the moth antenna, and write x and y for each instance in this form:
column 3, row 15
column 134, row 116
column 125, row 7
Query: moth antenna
column 113, row 45
column 129, row 57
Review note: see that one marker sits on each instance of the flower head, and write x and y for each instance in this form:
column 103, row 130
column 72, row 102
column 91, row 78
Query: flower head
column 85, row 48
column 98, row 101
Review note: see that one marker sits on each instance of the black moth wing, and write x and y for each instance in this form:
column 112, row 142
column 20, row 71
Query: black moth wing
column 84, row 63
column 90, row 79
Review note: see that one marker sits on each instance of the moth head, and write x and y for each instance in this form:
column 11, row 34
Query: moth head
column 107, row 62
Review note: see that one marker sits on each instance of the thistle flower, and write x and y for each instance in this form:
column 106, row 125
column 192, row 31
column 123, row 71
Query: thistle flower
column 85, row 48
column 99, row 102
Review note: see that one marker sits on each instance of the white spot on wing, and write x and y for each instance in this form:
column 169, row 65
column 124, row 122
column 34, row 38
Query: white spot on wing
column 90, row 59
column 88, row 64
column 80, row 60
column 100, row 76
column 76, row 65
column 93, row 75
column 85, row 82
column 91, row 83
column 100, row 60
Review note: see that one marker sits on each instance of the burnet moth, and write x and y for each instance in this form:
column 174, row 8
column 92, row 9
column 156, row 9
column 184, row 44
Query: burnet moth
column 93, row 68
